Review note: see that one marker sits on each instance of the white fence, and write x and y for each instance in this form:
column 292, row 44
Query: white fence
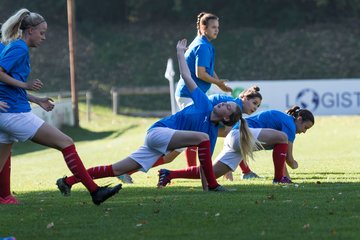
column 62, row 114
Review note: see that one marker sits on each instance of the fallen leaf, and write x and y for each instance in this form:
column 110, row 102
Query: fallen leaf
column 50, row 225
column 306, row 226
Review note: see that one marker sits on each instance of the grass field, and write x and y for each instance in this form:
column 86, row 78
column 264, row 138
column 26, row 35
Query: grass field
column 324, row 204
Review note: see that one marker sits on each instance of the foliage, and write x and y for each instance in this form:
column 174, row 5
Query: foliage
column 128, row 42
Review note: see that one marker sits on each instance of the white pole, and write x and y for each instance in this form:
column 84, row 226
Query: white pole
column 169, row 75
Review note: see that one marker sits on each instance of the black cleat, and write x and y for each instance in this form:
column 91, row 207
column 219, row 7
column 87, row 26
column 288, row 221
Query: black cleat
column 103, row 193
column 64, row 188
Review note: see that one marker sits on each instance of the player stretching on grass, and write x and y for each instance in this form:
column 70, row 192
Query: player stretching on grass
column 195, row 125
column 20, row 32
column 249, row 100
column 274, row 129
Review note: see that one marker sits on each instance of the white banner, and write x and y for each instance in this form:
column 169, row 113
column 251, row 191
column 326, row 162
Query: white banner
column 321, row 97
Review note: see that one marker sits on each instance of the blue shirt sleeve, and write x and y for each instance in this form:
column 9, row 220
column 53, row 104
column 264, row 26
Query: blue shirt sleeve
column 201, row 101
column 290, row 131
column 203, row 57
column 9, row 59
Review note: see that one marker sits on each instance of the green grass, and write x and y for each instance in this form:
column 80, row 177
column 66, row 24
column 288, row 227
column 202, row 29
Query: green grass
column 323, row 205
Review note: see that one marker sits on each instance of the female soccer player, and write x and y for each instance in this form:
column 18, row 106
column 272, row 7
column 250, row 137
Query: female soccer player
column 195, row 125
column 274, row 129
column 249, row 101
column 200, row 57
column 20, row 32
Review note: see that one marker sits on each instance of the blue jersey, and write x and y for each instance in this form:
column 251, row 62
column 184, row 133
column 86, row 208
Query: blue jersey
column 195, row 117
column 275, row 120
column 15, row 61
column 200, row 53
column 219, row 98
column 2, row 46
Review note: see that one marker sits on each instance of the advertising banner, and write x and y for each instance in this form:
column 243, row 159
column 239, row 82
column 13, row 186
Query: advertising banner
column 322, row 97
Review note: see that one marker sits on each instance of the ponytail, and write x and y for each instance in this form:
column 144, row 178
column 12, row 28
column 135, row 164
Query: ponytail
column 295, row 111
column 250, row 93
column 247, row 141
column 14, row 27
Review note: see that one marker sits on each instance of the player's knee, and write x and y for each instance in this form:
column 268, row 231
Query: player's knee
column 67, row 141
column 201, row 137
column 283, row 138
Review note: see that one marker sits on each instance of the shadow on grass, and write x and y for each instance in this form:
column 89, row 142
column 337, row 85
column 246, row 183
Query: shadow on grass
column 77, row 134
column 51, row 216
column 325, row 176
column 130, row 192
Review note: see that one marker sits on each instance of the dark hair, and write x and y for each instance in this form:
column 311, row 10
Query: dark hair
column 251, row 92
column 203, row 19
column 234, row 117
column 305, row 114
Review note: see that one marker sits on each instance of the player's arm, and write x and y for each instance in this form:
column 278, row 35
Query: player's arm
column 203, row 75
column 6, row 78
column 183, row 67
column 290, row 161
column 45, row 102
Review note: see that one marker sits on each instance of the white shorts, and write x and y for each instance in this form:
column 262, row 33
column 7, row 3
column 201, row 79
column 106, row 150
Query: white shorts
column 18, row 127
column 155, row 146
column 231, row 154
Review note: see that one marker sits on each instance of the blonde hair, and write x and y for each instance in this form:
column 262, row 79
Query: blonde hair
column 14, row 27
column 248, row 144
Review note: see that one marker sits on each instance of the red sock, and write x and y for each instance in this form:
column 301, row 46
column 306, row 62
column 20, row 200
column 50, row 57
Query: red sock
column 75, row 165
column 5, row 179
column 190, row 154
column 279, row 157
column 190, row 172
column 206, row 163
column 95, row 173
column 244, row 167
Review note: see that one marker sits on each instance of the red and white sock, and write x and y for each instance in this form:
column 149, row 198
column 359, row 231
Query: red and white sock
column 190, row 154
column 204, row 153
column 244, row 167
column 95, row 173
column 76, row 166
column 279, row 157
